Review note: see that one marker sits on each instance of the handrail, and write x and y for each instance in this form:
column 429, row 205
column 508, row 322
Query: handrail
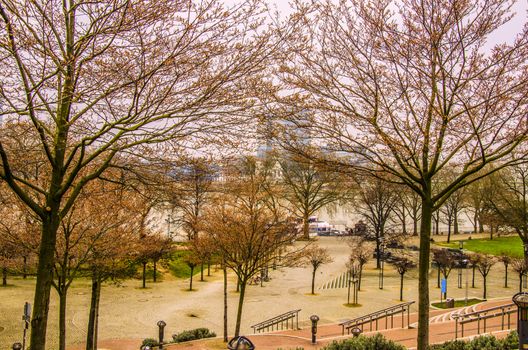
column 290, row 315
column 477, row 313
column 375, row 316
column 483, row 315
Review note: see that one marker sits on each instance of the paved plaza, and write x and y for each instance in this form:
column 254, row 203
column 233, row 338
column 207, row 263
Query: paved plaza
column 129, row 313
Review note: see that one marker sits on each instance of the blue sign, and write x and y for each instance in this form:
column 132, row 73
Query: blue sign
column 443, row 286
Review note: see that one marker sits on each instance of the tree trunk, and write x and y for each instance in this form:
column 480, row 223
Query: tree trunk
column 144, row 274
column 423, row 270
column 404, row 223
column 91, row 340
column 401, row 287
column 313, row 281
column 491, row 231
column 62, row 317
column 473, row 277
column 190, row 280
column 24, row 267
column 225, row 303
column 154, row 267
column 475, row 221
column 202, row 272
column 46, row 260
column 438, row 277
column 437, row 226
column 378, row 255
column 481, row 227
column 505, row 275
column 485, row 285
column 415, row 226
column 360, row 276
column 208, row 268
column 455, row 224
column 306, row 227
column 240, row 305
column 448, row 230
column 4, row 276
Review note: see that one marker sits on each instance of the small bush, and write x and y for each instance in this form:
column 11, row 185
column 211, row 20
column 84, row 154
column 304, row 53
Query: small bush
column 377, row 342
column 193, row 334
column 486, row 342
column 149, row 342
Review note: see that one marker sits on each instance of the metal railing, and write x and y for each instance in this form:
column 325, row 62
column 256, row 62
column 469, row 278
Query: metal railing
column 280, row 320
column 374, row 317
column 481, row 317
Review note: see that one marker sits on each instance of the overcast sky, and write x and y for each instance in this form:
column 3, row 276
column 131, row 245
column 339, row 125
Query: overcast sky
column 506, row 33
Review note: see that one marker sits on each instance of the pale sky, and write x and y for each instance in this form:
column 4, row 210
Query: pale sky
column 506, row 33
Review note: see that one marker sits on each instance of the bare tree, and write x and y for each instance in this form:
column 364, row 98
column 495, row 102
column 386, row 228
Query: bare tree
column 473, row 261
column 402, row 265
column 508, row 204
column 484, row 264
column 520, row 266
column 361, row 252
column 474, row 204
column 506, row 261
column 95, row 78
column 190, row 193
column 314, row 257
column 376, row 204
column 451, row 209
column 445, row 262
column 309, row 188
column 247, row 233
column 192, row 260
column 391, row 88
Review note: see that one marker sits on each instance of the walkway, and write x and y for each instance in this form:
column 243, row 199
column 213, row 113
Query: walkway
column 442, row 328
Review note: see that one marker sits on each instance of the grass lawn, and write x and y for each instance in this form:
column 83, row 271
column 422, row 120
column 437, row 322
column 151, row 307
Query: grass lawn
column 458, row 303
column 510, row 245
column 178, row 267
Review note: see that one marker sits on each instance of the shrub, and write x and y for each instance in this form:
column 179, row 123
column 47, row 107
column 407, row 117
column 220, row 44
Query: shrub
column 486, row 342
column 377, row 342
column 193, row 334
column 149, row 342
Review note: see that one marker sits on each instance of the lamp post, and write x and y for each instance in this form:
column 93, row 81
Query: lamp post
column 521, row 300
column 466, row 263
column 460, row 247
column 314, row 319
column 382, row 258
column 27, row 319
column 161, row 326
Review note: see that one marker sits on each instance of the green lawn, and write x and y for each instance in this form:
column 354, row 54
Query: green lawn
column 458, row 303
column 510, row 245
column 178, row 267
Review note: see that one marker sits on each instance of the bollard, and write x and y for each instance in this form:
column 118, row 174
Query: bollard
column 240, row 343
column 356, row 331
column 521, row 300
column 314, row 319
column 161, row 325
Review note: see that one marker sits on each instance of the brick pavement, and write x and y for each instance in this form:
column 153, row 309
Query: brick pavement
column 441, row 329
